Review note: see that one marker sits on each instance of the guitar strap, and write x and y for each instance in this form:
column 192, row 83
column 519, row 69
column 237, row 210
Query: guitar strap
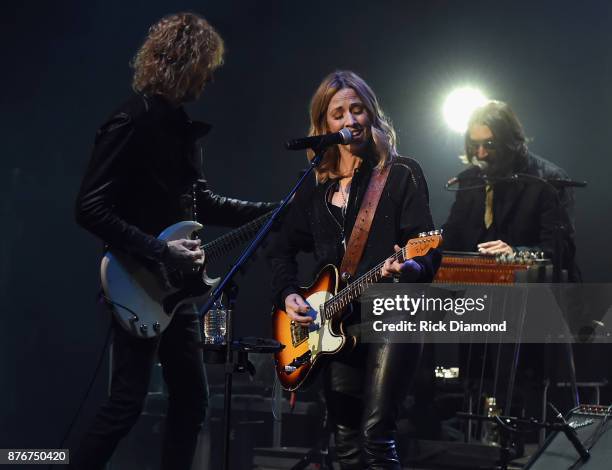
column 361, row 229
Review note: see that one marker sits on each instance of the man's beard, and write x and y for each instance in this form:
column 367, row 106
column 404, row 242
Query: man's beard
column 495, row 166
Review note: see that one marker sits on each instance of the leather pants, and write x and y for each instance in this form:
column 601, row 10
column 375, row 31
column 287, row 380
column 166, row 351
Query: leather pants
column 364, row 389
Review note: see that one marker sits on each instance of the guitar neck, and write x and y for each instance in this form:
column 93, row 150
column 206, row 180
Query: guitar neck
column 234, row 238
column 351, row 292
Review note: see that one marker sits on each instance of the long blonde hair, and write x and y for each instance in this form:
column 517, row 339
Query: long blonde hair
column 383, row 134
column 177, row 57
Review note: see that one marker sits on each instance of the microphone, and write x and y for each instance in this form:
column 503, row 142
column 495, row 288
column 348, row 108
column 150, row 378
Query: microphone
column 319, row 142
column 451, row 182
column 479, row 179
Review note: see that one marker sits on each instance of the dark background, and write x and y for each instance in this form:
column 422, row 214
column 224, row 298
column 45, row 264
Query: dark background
column 65, row 67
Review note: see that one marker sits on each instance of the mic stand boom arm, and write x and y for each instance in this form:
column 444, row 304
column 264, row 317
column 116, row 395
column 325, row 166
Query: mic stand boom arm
column 263, row 232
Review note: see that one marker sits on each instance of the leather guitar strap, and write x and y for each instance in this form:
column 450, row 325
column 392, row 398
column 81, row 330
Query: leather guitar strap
column 361, row 229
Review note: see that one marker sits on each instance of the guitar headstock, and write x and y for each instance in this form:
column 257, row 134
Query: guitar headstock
column 423, row 243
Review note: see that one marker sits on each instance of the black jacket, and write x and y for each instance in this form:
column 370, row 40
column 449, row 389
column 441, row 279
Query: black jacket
column 403, row 212
column 145, row 174
column 526, row 213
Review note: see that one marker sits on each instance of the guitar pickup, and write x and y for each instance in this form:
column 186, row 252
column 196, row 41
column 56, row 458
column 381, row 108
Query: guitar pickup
column 297, row 362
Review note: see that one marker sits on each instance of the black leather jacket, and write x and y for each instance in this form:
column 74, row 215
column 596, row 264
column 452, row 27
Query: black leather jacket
column 145, row 174
column 403, row 212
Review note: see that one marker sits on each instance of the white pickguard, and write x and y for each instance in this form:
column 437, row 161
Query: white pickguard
column 136, row 293
column 322, row 340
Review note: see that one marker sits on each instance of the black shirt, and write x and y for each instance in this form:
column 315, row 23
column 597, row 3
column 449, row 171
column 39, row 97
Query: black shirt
column 310, row 226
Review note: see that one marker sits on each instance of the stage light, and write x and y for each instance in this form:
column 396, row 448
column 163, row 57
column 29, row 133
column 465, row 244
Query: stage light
column 459, row 105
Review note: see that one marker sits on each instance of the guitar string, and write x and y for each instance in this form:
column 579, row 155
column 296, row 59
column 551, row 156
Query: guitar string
column 346, row 295
column 331, row 306
column 239, row 233
column 234, row 238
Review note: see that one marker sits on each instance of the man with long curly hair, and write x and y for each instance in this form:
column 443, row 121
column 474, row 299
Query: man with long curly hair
column 145, row 174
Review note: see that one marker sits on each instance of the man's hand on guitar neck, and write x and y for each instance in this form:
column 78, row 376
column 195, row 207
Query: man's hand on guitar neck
column 184, row 254
column 395, row 268
column 295, row 305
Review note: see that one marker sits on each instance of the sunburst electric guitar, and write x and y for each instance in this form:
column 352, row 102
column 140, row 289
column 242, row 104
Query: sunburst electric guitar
column 145, row 295
column 308, row 347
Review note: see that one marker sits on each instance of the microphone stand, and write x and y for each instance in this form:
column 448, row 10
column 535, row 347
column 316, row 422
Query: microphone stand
column 225, row 287
column 560, row 230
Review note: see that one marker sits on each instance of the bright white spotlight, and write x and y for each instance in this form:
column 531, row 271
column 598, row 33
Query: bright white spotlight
column 459, row 106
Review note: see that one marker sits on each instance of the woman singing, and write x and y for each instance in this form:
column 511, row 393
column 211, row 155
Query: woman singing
column 364, row 385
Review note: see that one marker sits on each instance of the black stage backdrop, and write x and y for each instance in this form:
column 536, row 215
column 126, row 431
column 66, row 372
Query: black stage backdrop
column 65, row 67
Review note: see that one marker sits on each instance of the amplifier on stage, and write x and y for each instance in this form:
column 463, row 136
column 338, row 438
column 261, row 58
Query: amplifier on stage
column 593, row 427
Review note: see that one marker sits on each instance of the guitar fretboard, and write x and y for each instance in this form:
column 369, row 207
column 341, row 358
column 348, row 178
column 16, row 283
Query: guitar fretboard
column 337, row 303
column 234, row 238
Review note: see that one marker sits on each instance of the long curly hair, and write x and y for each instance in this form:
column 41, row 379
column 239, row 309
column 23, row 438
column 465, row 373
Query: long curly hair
column 178, row 57
column 383, row 134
